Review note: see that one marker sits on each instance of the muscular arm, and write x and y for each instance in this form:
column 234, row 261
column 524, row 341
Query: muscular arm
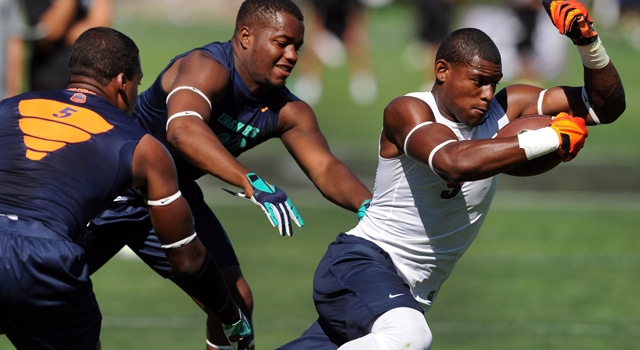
column 456, row 161
column 604, row 89
column 191, row 136
column 303, row 139
column 153, row 169
column 602, row 83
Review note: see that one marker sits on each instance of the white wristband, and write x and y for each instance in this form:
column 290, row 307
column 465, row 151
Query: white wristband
column 594, row 55
column 536, row 143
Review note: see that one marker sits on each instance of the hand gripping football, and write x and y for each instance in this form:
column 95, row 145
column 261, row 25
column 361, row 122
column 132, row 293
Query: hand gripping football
column 534, row 166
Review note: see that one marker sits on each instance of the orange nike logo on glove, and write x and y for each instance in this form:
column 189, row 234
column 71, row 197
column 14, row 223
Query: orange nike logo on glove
column 50, row 125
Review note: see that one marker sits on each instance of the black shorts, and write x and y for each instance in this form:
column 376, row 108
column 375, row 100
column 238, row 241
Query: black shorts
column 355, row 282
column 46, row 296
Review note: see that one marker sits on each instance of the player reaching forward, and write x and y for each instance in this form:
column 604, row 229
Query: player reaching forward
column 211, row 104
column 66, row 154
column 436, row 178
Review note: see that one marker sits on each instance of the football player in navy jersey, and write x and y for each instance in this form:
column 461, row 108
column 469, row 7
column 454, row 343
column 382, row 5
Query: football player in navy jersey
column 66, row 154
column 208, row 106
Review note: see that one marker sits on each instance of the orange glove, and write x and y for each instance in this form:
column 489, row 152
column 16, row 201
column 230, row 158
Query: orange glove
column 572, row 19
column 572, row 133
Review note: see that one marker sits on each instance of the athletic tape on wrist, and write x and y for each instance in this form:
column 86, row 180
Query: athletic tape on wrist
column 190, row 88
column 594, row 55
column 536, row 143
column 183, row 114
column 181, row 243
column 164, row 201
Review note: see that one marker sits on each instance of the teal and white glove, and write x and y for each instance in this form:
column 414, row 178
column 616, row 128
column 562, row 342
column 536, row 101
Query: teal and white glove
column 363, row 208
column 239, row 334
column 274, row 202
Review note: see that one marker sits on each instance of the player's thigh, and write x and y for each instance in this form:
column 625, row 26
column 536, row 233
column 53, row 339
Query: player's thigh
column 46, row 296
column 356, row 282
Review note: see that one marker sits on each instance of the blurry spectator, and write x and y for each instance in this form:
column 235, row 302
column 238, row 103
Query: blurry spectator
column 526, row 12
column 11, row 59
column 338, row 33
column 55, row 25
column 433, row 21
column 530, row 52
column 630, row 20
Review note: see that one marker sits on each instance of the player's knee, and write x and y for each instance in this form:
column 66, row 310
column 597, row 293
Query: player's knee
column 403, row 328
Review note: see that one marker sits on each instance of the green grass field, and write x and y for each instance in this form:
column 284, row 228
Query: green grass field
column 556, row 265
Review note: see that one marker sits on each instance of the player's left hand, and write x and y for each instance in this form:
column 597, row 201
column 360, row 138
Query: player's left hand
column 572, row 132
column 275, row 204
column 572, row 19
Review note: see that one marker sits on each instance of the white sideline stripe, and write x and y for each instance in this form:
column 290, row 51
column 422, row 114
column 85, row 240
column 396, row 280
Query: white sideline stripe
column 438, row 327
column 145, row 322
column 567, row 201
column 536, row 328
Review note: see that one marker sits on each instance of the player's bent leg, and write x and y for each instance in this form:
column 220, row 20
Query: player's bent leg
column 400, row 328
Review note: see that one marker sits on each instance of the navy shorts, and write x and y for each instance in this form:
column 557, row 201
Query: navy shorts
column 46, row 296
column 354, row 283
column 128, row 223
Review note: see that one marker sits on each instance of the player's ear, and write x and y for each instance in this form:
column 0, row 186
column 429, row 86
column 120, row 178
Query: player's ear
column 441, row 69
column 122, row 81
column 244, row 36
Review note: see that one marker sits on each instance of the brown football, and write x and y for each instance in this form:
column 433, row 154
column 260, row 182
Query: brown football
column 538, row 165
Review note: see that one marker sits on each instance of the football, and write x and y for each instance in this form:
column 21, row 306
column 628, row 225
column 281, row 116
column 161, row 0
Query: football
column 538, row 165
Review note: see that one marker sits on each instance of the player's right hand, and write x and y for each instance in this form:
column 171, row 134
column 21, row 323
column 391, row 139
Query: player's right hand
column 239, row 334
column 572, row 132
column 275, row 204
column 572, row 19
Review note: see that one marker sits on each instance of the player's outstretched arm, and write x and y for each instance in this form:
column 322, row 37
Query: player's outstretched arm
column 603, row 94
column 171, row 217
column 333, row 178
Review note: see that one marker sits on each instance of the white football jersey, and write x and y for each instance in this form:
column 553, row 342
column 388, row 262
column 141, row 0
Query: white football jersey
column 423, row 222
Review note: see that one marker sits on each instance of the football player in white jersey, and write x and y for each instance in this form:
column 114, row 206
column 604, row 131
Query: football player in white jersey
column 436, row 178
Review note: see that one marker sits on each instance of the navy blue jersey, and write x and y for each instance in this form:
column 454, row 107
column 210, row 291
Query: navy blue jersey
column 240, row 119
column 65, row 156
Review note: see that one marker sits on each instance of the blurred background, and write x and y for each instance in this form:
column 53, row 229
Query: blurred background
column 556, row 265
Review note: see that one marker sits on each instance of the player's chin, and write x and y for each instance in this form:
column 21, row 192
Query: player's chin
column 278, row 82
column 476, row 118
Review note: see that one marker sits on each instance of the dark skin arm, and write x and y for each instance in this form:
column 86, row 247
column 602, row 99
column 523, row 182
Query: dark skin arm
column 456, row 161
column 153, row 169
column 604, row 89
column 190, row 135
column 298, row 125
column 303, row 139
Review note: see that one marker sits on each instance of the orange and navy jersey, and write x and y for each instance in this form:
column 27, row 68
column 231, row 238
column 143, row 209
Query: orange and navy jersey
column 65, row 155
